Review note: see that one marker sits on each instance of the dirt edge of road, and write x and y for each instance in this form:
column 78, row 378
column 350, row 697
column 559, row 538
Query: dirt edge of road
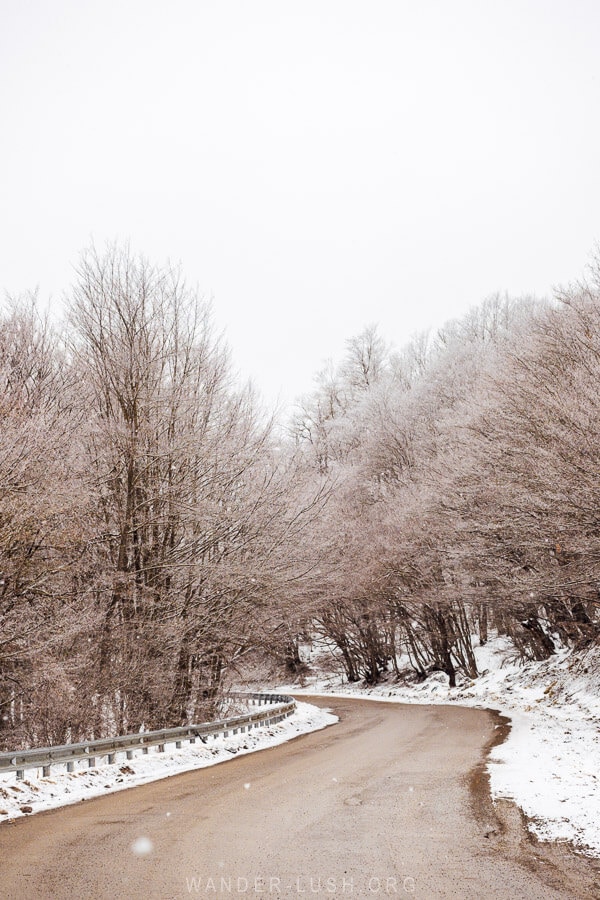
column 506, row 827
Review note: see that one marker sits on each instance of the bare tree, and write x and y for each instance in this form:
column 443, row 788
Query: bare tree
column 42, row 530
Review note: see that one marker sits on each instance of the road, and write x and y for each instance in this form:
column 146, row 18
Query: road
column 392, row 801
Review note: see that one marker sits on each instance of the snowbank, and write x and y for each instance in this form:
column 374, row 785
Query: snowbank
column 550, row 763
column 18, row 798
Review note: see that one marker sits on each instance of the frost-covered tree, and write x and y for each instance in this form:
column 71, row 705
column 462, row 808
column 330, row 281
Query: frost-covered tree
column 42, row 524
column 411, row 433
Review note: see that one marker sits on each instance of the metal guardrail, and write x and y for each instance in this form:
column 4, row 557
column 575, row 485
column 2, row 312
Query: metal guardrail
column 280, row 707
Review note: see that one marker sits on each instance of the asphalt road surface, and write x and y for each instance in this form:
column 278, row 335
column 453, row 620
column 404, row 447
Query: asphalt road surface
column 391, row 802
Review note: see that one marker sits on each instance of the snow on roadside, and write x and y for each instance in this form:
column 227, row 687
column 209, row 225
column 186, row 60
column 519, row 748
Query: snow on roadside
column 34, row 793
column 550, row 762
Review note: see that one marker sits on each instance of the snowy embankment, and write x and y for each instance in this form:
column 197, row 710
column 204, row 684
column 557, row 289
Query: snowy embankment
column 550, row 763
column 18, row 798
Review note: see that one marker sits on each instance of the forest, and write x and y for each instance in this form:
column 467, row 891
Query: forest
column 158, row 526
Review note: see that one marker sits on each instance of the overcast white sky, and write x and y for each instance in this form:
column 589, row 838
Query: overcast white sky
column 315, row 166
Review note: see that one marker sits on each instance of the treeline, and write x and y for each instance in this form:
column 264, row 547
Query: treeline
column 150, row 522
column 155, row 526
column 467, row 490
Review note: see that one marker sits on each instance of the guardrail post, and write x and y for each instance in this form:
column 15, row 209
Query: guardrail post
column 91, row 762
column 45, row 771
column 20, row 774
column 70, row 767
column 192, row 740
column 161, row 748
column 110, row 759
column 178, row 745
column 130, row 754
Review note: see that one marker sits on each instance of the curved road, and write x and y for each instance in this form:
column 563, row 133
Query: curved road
column 392, row 801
